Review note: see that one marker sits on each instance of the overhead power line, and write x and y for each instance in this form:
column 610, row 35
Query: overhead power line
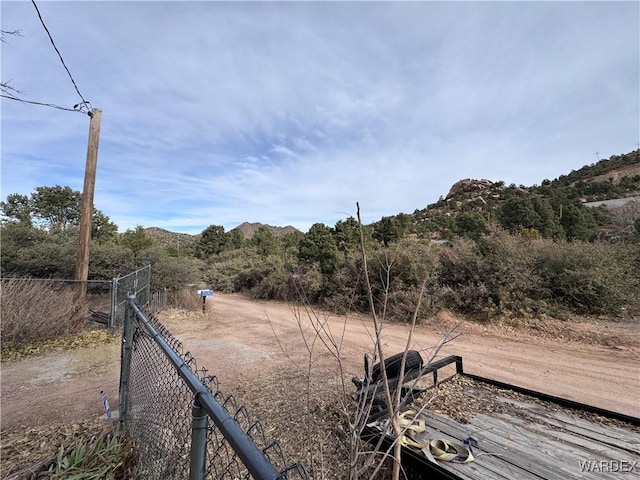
column 52, row 105
column 86, row 104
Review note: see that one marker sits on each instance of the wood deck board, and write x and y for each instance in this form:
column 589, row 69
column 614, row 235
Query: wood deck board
column 494, row 449
column 574, row 448
column 549, row 445
column 490, row 471
column 611, row 434
column 491, row 467
column 520, row 446
column 625, row 445
column 582, row 445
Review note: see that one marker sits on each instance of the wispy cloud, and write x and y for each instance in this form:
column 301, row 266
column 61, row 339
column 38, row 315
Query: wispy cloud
column 289, row 113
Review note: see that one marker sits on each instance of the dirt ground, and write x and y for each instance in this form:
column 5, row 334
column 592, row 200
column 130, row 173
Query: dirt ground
column 243, row 341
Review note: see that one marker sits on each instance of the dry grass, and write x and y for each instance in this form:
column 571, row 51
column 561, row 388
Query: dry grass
column 301, row 413
column 20, row 449
column 184, row 299
column 36, row 310
column 87, row 450
column 94, row 338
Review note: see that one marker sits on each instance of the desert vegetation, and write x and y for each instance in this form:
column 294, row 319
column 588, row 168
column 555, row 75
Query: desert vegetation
column 489, row 250
column 485, row 266
column 22, row 303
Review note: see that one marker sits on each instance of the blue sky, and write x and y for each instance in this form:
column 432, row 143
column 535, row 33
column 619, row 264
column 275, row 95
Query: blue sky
column 288, row 113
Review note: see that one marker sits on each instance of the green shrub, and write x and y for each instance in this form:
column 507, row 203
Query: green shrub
column 589, row 278
column 173, row 273
column 49, row 259
column 461, row 278
column 345, row 290
column 270, row 279
column 264, row 277
column 223, row 272
column 306, row 283
column 107, row 260
column 518, row 275
column 402, row 304
column 507, row 270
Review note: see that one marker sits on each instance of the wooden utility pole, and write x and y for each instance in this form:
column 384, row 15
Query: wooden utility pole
column 86, row 209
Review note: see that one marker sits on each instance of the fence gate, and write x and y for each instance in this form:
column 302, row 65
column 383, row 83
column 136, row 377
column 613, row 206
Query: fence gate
column 137, row 283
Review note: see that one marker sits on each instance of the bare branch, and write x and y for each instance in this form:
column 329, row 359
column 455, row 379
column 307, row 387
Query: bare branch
column 14, row 33
column 8, row 89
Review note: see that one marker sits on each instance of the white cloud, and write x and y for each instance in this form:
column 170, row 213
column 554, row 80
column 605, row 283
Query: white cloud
column 218, row 112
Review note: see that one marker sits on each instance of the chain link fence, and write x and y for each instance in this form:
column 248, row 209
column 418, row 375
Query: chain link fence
column 181, row 423
column 137, row 283
column 105, row 299
column 36, row 309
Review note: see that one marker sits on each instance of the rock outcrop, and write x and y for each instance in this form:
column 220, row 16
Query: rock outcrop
column 469, row 185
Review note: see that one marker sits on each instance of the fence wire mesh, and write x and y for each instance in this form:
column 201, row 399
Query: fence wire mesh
column 49, row 294
column 159, row 414
column 136, row 283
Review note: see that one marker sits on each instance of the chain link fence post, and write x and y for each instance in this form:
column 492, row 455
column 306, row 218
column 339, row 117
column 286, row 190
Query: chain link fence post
column 199, row 429
column 125, row 359
column 114, row 304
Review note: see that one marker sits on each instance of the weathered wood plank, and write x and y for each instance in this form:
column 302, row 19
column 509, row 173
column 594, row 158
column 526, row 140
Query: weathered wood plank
column 574, row 445
column 587, row 448
column 577, row 448
column 498, row 448
column 483, row 469
column 487, row 465
column 519, row 449
column 488, row 469
column 528, row 449
column 631, row 438
column 611, row 436
column 566, row 416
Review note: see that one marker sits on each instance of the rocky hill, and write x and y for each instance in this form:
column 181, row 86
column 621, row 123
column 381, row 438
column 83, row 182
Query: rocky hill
column 480, row 201
column 248, row 229
column 612, row 178
column 166, row 238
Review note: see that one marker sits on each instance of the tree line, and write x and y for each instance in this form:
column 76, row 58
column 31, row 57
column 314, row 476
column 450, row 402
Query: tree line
column 40, row 235
column 522, row 258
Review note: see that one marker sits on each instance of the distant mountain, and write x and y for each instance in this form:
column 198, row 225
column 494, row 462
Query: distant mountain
column 617, row 177
column 248, row 229
column 166, row 238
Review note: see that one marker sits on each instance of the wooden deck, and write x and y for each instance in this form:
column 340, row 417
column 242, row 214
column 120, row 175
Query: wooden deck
column 529, row 440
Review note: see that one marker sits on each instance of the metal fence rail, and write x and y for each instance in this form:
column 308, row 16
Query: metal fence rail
column 182, row 424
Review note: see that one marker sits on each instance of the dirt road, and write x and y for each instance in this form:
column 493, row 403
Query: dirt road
column 236, row 340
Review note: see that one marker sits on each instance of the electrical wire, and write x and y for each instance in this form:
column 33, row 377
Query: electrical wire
column 86, row 104
column 52, row 105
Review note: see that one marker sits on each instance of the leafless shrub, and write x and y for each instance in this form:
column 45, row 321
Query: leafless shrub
column 323, row 373
column 184, row 299
column 36, row 310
